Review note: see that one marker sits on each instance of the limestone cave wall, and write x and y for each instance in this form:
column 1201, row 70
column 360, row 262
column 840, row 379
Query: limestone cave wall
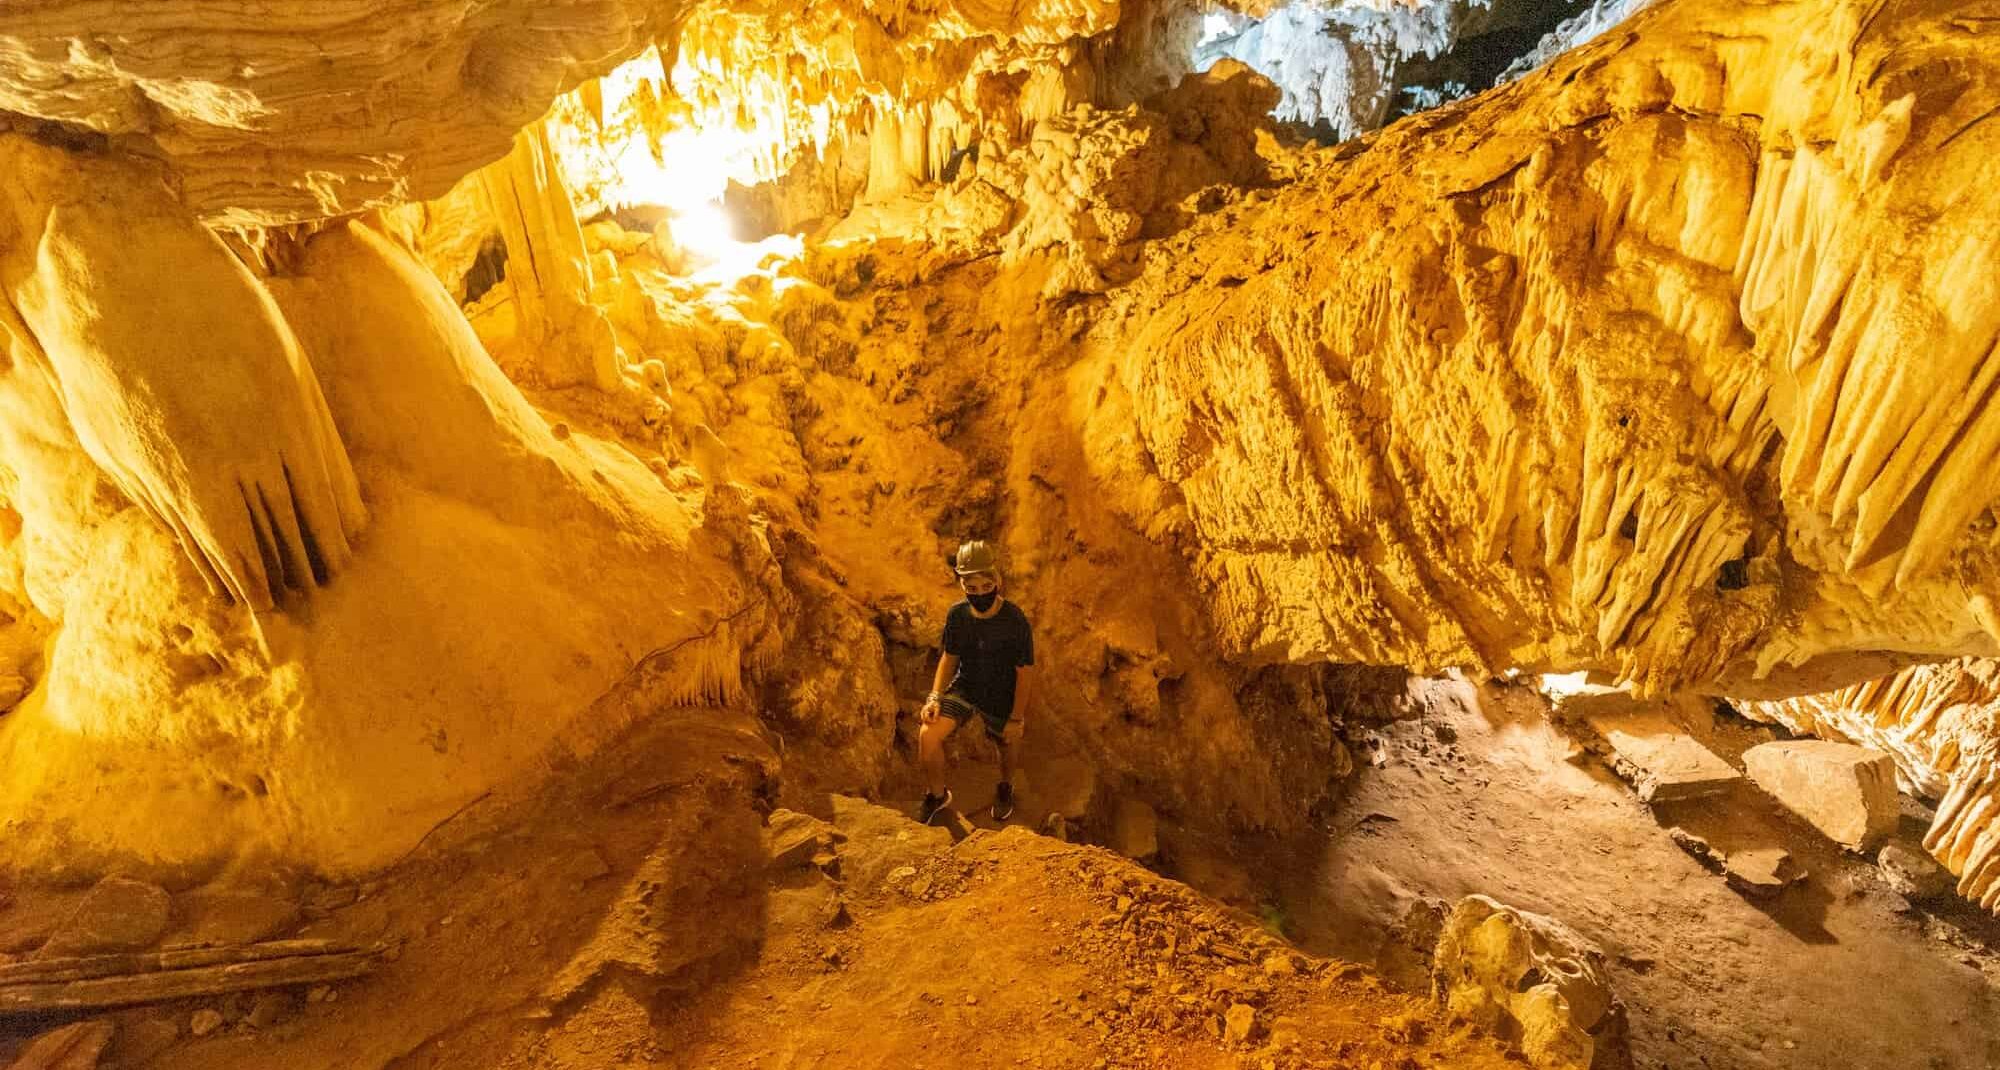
column 1670, row 360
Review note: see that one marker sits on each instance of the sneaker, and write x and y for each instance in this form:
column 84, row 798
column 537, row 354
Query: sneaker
column 1003, row 801
column 933, row 806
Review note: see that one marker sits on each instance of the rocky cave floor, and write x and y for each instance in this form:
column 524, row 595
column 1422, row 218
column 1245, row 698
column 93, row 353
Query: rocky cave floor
column 636, row 915
column 635, row 911
column 1481, row 793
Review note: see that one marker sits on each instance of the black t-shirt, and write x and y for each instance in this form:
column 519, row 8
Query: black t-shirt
column 988, row 652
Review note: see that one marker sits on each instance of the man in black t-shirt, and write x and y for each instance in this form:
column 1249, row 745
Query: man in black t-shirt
column 984, row 673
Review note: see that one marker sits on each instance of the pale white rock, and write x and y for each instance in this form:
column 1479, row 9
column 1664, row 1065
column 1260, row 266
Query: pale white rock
column 1845, row 791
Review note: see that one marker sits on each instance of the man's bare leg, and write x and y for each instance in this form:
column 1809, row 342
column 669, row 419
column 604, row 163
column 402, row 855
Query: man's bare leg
column 930, row 751
column 1006, row 760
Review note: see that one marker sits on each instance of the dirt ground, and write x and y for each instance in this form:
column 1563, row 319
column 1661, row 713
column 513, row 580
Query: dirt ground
column 1478, row 796
column 624, row 914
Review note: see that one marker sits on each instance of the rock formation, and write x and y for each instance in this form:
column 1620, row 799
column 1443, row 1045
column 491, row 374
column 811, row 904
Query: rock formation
column 222, row 410
column 1531, row 979
column 1571, row 374
column 1941, row 723
column 1657, row 362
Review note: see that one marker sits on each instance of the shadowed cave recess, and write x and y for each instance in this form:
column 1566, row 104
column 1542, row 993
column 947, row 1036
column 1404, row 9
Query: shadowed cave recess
column 1502, row 492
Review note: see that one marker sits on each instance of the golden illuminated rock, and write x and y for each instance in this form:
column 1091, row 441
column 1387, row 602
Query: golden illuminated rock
column 508, row 580
column 1941, row 723
column 1613, row 367
column 267, row 113
column 1661, row 361
column 252, row 478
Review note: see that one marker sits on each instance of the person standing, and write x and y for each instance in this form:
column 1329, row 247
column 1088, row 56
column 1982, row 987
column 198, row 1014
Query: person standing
column 985, row 672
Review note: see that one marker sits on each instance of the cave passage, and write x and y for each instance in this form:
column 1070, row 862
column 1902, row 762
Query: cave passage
column 1303, row 534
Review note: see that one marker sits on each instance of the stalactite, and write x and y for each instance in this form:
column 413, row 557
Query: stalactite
column 548, row 270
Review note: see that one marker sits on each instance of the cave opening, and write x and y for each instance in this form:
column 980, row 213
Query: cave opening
column 1346, row 69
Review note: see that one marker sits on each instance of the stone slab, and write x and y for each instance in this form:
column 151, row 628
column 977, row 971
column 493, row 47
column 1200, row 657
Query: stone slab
column 118, row 915
column 1659, row 758
column 1845, row 791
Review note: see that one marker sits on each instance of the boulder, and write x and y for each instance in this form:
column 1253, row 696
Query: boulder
column 117, row 915
column 76, row 1046
column 1845, row 791
column 792, row 839
column 1135, row 830
column 1913, row 872
column 1529, row 979
column 879, row 840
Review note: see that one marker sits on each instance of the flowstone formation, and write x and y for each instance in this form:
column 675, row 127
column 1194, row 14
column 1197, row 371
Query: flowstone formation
column 175, row 417
column 1612, row 367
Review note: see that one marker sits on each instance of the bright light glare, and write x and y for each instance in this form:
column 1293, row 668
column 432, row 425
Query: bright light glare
column 704, row 230
column 683, row 168
column 1557, row 685
column 707, row 234
column 1213, row 25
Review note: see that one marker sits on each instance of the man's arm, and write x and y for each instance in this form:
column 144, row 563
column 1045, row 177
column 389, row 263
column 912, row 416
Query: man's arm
column 947, row 668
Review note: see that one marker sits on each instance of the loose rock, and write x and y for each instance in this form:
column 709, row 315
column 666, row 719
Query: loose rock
column 1238, row 1023
column 793, row 839
column 1845, row 791
column 205, row 1021
column 1913, row 872
column 118, row 915
column 270, row 1008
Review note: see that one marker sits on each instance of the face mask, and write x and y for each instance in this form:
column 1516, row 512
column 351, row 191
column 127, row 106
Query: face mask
column 982, row 602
